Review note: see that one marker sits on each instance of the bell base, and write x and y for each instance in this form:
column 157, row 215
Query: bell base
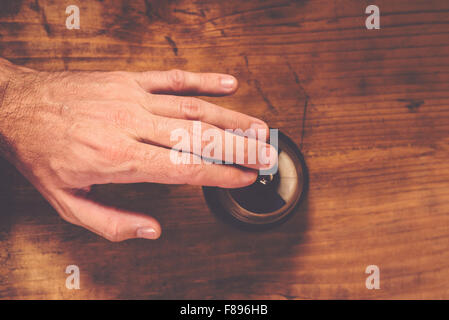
column 271, row 200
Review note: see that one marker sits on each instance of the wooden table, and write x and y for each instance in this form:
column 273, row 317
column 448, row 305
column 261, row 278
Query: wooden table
column 368, row 108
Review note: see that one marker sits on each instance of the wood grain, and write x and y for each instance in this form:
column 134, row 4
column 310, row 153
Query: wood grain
column 369, row 109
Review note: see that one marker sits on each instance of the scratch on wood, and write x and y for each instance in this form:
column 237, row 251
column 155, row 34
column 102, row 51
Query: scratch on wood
column 246, row 61
column 46, row 24
column 337, row 18
column 412, row 105
column 304, row 115
column 306, row 102
column 252, row 10
column 37, row 8
column 265, row 98
column 172, row 45
column 294, row 73
column 149, row 12
column 286, row 296
column 192, row 13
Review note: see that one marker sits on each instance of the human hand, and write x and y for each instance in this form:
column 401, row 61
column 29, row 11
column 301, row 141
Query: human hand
column 67, row 131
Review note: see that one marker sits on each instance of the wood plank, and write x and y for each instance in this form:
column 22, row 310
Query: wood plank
column 375, row 136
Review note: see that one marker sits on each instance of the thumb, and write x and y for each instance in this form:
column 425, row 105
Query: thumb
column 111, row 223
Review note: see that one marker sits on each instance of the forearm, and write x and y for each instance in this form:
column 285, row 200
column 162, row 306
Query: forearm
column 6, row 75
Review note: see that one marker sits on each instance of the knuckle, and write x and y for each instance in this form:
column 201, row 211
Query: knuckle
column 68, row 218
column 151, row 126
column 176, row 79
column 127, row 151
column 112, row 232
column 63, row 174
column 120, row 117
column 234, row 123
column 114, row 155
column 76, row 129
column 189, row 173
column 190, row 108
column 69, row 215
column 194, row 133
column 205, row 80
column 155, row 126
column 119, row 155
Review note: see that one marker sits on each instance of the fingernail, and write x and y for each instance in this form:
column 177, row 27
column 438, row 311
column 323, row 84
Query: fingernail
column 227, row 82
column 146, row 233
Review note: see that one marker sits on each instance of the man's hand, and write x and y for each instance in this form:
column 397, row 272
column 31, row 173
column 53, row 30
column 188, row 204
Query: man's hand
column 66, row 131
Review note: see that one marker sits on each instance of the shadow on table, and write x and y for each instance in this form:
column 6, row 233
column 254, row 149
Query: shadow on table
column 197, row 256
